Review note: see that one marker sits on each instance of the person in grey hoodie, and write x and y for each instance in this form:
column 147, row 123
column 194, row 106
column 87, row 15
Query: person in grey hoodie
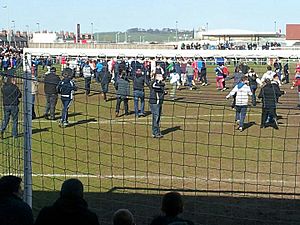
column 122, row 91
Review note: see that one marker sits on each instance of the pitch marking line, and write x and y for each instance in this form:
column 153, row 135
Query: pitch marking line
column 191, row 179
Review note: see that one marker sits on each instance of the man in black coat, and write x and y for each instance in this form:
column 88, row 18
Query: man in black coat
column 269, row 95
column 157, row 93
column 172, row 206
column 69, row 208
column 11, row 94
column 13, row 211
column 50, row 83
column 122, row 92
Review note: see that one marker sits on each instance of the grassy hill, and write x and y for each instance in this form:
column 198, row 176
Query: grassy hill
column 142, row 36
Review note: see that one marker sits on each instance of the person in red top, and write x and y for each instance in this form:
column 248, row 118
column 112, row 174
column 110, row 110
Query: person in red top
column 296, row 82
column 195, row 66
column 63, row 62
column 225, row 74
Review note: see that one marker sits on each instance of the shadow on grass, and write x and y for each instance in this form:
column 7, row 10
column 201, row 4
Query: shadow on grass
column 110, row 99
column 248, row 125
column 37, row 130
column 201, row 208
column 82, row 122
column 169, row 130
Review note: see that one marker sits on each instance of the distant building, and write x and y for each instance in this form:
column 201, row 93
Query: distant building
column 234, row 34
column 293, row 32
column 45, row 38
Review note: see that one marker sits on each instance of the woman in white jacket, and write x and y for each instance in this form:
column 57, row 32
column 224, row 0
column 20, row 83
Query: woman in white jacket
column 242, row 91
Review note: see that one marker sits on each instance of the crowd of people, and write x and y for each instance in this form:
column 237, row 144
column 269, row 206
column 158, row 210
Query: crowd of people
column 227, row 45
column 9, row 58
column 246, row 83
column 142, row 73
column 72, row 208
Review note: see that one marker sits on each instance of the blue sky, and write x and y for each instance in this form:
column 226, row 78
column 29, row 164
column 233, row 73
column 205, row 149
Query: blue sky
column 120, row 15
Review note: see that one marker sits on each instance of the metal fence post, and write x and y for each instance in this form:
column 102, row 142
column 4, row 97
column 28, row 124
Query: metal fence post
column 27, row 115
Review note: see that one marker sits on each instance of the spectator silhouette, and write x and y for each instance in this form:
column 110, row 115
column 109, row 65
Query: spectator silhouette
column 13, row 211
column 69, row 208
column 172, row 206
column 123, row 217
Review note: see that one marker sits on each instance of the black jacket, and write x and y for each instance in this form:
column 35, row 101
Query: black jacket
column 270, row 94
column 50, row 82
column 13, row 211
column 139, row 81
column 67, row 211
column 66, row 88
column 157, row 92
column 11, row 94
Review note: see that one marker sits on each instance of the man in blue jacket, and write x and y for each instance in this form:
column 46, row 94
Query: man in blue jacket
column 139, row 81
column 66, row 89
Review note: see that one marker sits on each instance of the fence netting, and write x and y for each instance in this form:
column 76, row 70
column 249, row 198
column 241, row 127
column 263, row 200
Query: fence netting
column 226, row 176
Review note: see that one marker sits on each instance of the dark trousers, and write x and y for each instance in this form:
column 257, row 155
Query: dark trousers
column 287, row 77
column 12, row 111
column 87, row 84
column 268, row 112
column 66, row 102
column 156, row 113
column 119, row 100
column 253, row 90
column 33, row 111
column 203, row 76
column 51, row 101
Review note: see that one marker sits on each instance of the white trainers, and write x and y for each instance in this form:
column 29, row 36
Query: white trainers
column 241, row 129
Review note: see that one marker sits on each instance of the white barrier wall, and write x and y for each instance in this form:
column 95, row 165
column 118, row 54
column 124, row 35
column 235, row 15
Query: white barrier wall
column 166, row 53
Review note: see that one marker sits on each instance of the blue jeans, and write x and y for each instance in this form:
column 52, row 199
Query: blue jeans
column 138, row 94
column 190, row 80
column 66, row 102
column 240, row 114
column 156, row 113
column 11, row 110
column 97, row 77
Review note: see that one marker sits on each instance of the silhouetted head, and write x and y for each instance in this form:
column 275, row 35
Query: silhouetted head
column 172, row 204
column 123, row 217
column 72, row 188
column 10, row 185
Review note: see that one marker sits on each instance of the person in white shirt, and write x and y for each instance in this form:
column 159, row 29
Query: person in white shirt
column 174, row 81
column 242, row 91
column 268, row 75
